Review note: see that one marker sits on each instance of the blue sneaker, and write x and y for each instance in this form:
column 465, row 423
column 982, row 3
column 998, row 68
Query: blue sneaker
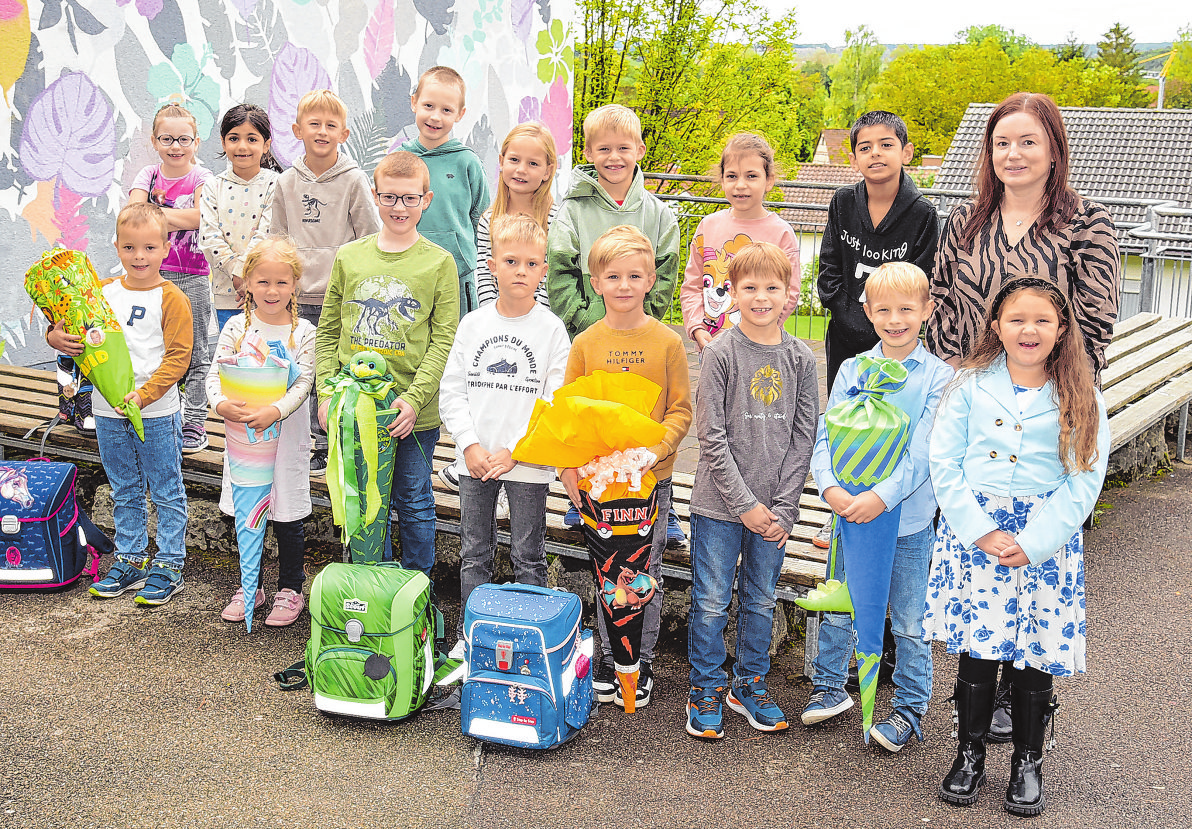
column 752, row 700
column 705, row 717
column 572, row 519
column 675, row 538
column 896, row 731
column 160, row 587
column 826, row 703
column 119, row 580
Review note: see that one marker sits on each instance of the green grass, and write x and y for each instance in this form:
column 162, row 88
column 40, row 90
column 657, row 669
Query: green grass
column 805, row 327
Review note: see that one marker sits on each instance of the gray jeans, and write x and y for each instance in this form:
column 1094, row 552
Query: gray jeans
column 318, row 437
column 652, row 622
column 197, row 288
column 478, row 534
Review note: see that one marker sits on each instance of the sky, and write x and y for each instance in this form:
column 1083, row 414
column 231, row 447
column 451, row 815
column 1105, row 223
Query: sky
column 937, row 21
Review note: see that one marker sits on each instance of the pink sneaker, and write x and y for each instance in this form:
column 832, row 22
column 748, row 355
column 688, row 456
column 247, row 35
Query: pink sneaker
column 287, row 606
column 234, row 612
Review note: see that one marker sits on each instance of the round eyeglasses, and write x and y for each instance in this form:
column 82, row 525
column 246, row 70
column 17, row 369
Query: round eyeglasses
column 408, row 200
column 181, row 140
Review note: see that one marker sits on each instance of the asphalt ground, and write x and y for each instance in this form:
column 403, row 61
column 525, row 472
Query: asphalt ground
column 120, row 716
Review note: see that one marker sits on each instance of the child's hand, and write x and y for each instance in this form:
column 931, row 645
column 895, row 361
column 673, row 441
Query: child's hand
column 498, row 464
column 323, row 408
column 263, row 418
column 838, row 498
column 702, row 338
column 1013, row 557
column 570, row 480
column 996, row 542
column 865, row 507
column 59, row 340
column 476, row 459
column 403, row 424
column 233, row 411
column 134, row 398
column 759, row 520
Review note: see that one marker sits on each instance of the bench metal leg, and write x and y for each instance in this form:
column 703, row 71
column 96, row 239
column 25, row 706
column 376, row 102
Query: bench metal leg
column 811, row 644
column 1182, row 439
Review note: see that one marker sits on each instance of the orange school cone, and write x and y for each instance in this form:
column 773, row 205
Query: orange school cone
column 628, row 683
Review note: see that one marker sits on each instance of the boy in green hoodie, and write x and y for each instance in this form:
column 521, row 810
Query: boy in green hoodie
column 322, row 202
column 456, row 175
column 606, row 192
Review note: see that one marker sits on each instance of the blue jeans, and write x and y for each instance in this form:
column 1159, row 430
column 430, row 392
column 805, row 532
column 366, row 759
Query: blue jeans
column 222, row 315
column 131, row 466
column 908, row 595
column 715, row 545
column 413, row 501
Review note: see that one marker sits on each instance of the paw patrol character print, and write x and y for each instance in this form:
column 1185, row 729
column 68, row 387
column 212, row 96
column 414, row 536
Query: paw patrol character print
column 766, row 385
column 720, row 310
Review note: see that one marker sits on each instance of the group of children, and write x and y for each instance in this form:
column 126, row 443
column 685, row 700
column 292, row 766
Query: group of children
column 480, row 310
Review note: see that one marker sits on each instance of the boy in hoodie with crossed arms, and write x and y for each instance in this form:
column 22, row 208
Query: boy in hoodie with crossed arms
column 457, row 177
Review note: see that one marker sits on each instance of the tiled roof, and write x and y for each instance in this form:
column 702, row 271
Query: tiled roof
column 836, row 145
column 1116, row 153
column 805, row 219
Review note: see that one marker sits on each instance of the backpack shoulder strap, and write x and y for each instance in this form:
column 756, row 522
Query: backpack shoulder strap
column 293, row 677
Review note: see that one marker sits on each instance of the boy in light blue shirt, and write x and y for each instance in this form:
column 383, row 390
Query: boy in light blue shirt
column 897, row 303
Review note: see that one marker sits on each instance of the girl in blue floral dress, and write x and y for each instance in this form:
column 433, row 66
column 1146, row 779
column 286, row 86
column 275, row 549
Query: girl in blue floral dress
column 1018, row 455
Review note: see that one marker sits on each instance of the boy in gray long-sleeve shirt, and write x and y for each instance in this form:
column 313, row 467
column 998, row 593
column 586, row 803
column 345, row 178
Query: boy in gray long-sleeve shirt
column 756, row 416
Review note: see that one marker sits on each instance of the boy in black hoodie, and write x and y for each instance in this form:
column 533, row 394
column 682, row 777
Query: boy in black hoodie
column 881, row 219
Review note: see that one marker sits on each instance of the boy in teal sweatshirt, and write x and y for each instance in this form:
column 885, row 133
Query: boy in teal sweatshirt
column 456, row 176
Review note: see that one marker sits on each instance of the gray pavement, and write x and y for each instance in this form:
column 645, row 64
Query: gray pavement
column 115, row 716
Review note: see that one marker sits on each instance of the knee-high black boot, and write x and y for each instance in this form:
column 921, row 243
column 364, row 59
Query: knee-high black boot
column 1031, row 711
column 974, row 709
column 1000, row 728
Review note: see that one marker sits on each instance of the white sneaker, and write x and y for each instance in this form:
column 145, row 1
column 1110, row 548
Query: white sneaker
column 501, row 513
column 460, row 651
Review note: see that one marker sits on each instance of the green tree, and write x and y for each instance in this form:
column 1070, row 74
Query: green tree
column 1070, row 49
column 1117, row 50
column 853, row 77
column 1179, row 72
column 1010, row 42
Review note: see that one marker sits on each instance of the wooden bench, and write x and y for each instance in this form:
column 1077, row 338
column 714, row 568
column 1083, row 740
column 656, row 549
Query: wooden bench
column 1148, row 377
column 29, row 398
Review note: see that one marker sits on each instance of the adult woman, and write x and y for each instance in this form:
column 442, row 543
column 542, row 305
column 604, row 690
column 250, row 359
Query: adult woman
column 1025, row 218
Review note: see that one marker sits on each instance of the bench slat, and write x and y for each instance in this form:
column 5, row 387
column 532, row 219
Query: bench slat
column 1143, row 357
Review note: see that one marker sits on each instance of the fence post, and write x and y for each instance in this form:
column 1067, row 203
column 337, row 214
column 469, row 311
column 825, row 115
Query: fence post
column 1147, row 281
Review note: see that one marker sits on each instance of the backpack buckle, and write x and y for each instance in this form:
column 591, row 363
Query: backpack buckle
column 504, row 655
column 10, row 525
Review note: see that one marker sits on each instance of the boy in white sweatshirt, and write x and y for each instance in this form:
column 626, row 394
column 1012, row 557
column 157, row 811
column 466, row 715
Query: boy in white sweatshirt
column 506, row 355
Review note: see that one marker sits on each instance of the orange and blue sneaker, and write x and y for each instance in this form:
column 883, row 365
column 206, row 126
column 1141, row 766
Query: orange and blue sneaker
column 752, row 701
column 705, row 717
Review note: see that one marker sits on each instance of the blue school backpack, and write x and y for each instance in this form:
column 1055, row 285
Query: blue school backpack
column 528, row 681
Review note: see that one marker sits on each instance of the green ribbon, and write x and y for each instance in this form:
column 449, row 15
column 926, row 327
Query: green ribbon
column 353, row 409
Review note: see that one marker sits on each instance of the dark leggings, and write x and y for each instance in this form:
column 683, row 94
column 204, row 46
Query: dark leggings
column 291, row 550
column 979, row 671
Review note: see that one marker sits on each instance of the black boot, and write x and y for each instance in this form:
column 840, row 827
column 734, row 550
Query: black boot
column 1031, row 711
column 1000, row 729
column 974, row 709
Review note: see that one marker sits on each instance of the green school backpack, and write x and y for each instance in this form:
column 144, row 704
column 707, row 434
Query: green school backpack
column 371, row 652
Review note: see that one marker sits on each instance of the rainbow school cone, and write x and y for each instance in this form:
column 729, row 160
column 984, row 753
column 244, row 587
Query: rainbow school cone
column 251, row 459
column 867, row 437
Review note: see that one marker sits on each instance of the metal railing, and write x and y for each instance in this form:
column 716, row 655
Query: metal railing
column 1156, row 252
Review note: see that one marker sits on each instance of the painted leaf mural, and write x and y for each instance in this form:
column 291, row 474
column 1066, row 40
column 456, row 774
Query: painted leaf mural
column 68, row 134
column 296, row 71
column 81, row 80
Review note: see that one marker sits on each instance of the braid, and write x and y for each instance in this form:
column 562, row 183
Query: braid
column 293, row 307
column 247, row 318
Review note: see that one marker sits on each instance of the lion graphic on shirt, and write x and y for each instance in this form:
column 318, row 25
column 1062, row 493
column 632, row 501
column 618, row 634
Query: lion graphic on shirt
column 720, row 309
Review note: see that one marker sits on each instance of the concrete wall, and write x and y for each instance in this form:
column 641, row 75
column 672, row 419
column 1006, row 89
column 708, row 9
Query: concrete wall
column 81, row 80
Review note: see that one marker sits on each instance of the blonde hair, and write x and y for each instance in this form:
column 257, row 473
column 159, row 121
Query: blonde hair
column 543, row 201
column 139, row 214
column 321, row 100
column 614, row 118
column 402, row 164
column 743, row 144
column 175, row 111
column 516, row 229
column 280, row 249
column 446, row 76
column 904, row 278
column 762, row 260
column 618, row 243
